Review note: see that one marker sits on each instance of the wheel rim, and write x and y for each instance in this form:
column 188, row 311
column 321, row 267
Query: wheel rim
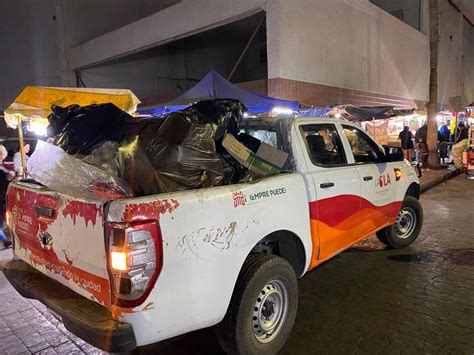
column 270, row 311
column 406, row 223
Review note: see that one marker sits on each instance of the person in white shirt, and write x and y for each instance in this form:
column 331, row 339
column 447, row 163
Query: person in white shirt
column 5, row 177
column 17, row 158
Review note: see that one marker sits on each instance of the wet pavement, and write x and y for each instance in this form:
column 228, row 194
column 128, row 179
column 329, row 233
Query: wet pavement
column 365, row 300
column 372, row 300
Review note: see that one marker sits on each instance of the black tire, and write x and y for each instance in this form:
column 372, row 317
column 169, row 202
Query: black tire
column 392, row 235
column 236, row 333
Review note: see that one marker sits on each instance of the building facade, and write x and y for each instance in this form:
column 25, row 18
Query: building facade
column 319, row 52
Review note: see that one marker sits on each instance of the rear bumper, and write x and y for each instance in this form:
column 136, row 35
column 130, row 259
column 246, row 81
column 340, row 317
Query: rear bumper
column 86, row 319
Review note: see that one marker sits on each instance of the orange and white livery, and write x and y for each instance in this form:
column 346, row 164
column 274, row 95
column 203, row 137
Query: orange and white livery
column 169, row 264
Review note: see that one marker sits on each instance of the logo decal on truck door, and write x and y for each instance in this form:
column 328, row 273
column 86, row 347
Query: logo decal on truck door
column 383, row 180
column 239, row 198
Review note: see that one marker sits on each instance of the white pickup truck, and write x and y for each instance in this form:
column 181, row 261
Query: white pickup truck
column 130, row 272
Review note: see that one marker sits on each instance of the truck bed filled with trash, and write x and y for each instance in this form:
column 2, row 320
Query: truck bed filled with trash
column 100, row 151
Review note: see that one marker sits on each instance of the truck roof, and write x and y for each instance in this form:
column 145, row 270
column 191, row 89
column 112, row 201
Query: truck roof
column 274, row 120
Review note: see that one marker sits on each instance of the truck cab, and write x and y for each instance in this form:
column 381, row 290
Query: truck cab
column 150, row 268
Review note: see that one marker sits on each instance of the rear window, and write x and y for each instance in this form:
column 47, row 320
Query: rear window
column 273, row 132
column 265, row 136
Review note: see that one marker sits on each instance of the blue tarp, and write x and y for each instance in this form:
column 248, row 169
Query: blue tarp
column 315, row 112
column 214, row 86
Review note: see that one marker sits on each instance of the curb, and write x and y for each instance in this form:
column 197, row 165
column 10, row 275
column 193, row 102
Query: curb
column 439, row 179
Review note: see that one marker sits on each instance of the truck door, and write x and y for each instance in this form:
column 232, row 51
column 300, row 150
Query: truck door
column 377, row 177
column 335, row 197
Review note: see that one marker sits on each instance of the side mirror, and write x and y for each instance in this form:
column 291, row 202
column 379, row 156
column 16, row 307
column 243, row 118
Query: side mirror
column 393, row 154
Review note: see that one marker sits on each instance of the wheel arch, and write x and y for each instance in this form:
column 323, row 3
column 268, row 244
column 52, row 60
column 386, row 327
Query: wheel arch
column 413, row 190
column 285, row 244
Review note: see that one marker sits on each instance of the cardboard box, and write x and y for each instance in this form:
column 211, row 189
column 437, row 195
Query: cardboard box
column 267, row 160
column 175, row 128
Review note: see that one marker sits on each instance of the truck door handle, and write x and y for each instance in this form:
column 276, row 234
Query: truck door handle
column 44, row 212
column 367, row 178
column 326, row 185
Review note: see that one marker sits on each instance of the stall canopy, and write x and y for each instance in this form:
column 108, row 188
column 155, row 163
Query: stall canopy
column 315, row 112
column 356, row 113
column 214, row 86
column 366, row 113
column 34, row 103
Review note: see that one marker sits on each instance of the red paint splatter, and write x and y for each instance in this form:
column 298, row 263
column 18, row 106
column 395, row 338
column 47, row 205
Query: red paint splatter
column 30, row 228
column 88, row 211
column 98, row 287
column 22, row 206
column 149, row 210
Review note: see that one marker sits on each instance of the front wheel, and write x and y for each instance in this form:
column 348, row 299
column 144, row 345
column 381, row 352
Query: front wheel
column 406, row 228
column 263, row 307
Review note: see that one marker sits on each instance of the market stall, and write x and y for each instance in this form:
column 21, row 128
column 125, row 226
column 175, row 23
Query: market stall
column 34, row 104
column 386, row 131
column 214, row 86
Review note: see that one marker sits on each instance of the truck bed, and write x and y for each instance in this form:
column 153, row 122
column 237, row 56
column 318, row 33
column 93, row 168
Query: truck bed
column 206, row 236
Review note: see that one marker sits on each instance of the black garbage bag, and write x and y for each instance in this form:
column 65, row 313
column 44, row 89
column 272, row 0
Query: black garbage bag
column 151, row 165
column 184, row 151
column 81, row 129
column 225, row 114
column 133, row 162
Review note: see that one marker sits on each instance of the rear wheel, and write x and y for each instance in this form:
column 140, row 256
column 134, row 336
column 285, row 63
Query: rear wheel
column 263, row 307
column 406, row 228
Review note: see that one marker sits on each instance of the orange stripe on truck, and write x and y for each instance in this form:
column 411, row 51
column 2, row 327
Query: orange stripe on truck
column 339, row 222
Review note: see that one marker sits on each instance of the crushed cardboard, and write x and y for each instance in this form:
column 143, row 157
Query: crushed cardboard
column 267, row 161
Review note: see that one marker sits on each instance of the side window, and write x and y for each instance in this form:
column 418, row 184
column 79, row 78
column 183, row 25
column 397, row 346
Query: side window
column 363, row 148
column 324, row 144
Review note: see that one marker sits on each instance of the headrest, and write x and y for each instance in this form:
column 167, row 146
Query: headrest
column 316, row 143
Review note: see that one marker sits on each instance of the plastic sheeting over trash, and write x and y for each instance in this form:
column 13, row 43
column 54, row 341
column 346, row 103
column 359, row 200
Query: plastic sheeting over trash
column 105, row 157
column 61, row 172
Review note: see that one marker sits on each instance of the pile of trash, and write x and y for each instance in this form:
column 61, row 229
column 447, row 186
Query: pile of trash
column 101, row 151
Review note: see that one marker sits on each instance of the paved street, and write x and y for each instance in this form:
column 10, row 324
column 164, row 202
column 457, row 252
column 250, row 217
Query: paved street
column 366, row 300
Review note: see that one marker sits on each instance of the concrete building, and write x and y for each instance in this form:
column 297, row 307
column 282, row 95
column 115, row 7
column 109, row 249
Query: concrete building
column 318, row 52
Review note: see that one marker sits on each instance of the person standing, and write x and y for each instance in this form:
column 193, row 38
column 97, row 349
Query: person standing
column 421, row 137
column 406, row 138
column 445, row 132
column 461, row 133
column 17, row 159
column 424, row 152
column 5, row 177
column 422, row 133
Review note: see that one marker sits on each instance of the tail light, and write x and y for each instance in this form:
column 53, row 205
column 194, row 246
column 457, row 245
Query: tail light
column 135, row 253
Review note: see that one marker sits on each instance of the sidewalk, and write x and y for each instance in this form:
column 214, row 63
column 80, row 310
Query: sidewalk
column 432, row 178
column 28, row 327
